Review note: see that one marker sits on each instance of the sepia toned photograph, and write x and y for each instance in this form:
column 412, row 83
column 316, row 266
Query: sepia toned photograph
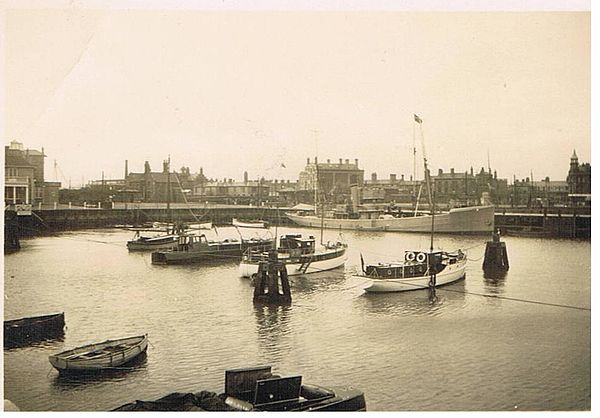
column 239, row 206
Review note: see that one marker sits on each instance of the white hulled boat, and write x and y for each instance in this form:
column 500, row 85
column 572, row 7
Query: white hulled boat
column 299, row 255
column 421, row 269
column 467, row 220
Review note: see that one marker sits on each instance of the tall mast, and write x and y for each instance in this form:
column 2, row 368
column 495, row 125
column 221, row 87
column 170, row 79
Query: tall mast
column 427, row 180
column 169, row 188
column 414, row 162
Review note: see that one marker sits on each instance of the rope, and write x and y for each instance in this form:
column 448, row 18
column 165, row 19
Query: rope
column 536, row 302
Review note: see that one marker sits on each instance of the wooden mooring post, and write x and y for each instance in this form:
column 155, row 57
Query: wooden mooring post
column 496, row 256
column 266, row 282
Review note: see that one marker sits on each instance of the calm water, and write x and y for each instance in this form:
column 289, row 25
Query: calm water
column 461, row 352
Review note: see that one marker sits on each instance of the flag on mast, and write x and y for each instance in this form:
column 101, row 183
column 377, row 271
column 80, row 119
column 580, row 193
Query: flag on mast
column 418, row 119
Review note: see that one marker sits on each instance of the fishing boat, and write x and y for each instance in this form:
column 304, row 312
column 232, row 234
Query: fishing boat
column 466, row 220
column 24, row 330
column 249, row 224
column 256, row 389
column 419, row 269
column 299, row 254
column 195, row 248
column 100, row 356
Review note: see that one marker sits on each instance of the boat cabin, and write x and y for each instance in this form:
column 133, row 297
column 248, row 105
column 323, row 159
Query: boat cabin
column 415, row 264
column 188, row 241
column 295, row 245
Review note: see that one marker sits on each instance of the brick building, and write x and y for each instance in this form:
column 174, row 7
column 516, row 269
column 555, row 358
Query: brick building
column 24, row 177
column 335, row 179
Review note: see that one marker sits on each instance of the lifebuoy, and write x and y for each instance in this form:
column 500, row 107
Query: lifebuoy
column 409, row 256
column 421, row 257
column 389, row 272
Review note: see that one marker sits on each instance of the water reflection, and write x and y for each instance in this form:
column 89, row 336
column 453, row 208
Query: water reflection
column 316, row 282
column 418, row 302
column 74, row 380
column 272, row 326
column 494, row 280
column 36, row 341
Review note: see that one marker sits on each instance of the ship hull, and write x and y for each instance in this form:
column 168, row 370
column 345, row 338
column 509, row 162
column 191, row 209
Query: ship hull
column 248, row 268
column 450, row 274
column 470, row 220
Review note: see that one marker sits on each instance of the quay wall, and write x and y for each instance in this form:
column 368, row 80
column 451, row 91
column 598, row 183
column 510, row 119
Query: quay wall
column 572, row 224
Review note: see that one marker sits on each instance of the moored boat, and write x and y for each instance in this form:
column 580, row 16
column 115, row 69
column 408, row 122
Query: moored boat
column 195, row 248
column 419, row 270
column 157, row 242
column 467, row 220
column 300, row 256
column 100, row 356
column 257, row 389
column 24, row 330
column 249, row 224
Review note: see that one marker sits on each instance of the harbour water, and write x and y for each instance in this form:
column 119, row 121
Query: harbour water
column 526, row 347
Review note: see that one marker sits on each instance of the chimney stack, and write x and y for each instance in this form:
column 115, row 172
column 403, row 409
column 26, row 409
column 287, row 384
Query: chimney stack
column 440, row 171
column 347, row 161
column 146, row 167
column 392, row 178
column 245, row 177
column 340, row 160
column 452, row 170
column 356, row 161
column 126, row 169
column 316, row 161
column 374, row 176
column 166, row 167
column 307, row 160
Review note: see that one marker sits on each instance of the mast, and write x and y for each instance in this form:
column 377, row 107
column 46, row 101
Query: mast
column 169, row 188
column 427, row 181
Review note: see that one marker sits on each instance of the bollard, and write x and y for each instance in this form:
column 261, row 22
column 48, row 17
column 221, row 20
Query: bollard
column 267, row 280
column 69, row 205
column 55, row 205
column 496, row 256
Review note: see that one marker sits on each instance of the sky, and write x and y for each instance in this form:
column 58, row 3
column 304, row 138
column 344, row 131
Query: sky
column 260, row 91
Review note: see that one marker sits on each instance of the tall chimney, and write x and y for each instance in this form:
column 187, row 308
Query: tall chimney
column 126, row 170
column 316, row 161
column 146, row 167
column 374, row 176
column 347, row 161
column 307, row 160
column 356, row 161
column 328, row 161
column 245, row 177
column 340, row 160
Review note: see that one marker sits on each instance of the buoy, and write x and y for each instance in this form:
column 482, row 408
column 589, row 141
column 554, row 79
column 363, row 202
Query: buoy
column 496, row 256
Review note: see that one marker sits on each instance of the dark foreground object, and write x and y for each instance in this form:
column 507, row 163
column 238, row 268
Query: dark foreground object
column 256, row 389
column 19, row 332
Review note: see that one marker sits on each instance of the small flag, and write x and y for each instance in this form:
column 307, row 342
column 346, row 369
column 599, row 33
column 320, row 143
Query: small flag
column 283, row 165
column 418, row 119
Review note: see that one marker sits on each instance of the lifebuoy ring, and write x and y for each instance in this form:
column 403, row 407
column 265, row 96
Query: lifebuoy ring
column 421, row 257
column 389, row 272
column 409, row 256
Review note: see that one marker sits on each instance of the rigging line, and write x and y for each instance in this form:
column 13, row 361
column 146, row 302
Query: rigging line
column 536, row 302
column 185, row 199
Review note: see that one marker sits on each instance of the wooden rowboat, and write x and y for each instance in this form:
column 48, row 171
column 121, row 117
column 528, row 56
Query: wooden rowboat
column 100, row 356
column 21, row 331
